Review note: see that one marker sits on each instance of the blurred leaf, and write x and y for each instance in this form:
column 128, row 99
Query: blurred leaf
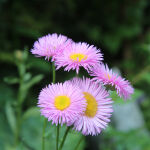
column 39, row 64
column 21, row 146
column 6, row 94
column 146, row 77
column 27, row 76
column 33, row 81
column 137, row 93
column 32, row 132
column 10, row 147
column 26, row 86
column 33, row 111
column 6, row 136
column 21, row 68
column 25, row 54
column 10, row 116
column 6, row 57
column 11, row 80
column 131, row 140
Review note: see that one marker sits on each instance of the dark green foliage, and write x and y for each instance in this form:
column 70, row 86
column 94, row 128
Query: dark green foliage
column 121, row 28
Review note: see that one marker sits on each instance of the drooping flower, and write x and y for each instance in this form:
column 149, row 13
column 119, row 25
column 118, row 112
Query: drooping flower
column 79, row 55
column 50, row 45
column 98, row 110
column 102, row 74
column 61, row 103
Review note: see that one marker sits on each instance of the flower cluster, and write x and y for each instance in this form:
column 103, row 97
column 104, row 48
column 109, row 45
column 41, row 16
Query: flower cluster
column 83, row 103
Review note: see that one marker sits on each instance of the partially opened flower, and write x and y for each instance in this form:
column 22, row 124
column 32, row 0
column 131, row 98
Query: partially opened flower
column 50, row 45
column 102, row 74
column 79, row 55
column 98, row 110
column 61, row 103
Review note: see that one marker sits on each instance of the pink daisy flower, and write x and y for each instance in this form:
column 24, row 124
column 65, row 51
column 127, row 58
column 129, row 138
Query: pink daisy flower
column 98, row 110
column 61, row 103
column 102, row 74
column 79, row 55
column 50, row 45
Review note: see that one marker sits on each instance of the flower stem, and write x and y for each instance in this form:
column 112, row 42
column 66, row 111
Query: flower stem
column 45, row 120
column 18, row 124
column 43, row 136
column 57, row 137
column 64, row 138
column 80, row 140
column 54, row 72
column 20, row 98
column 57, row 130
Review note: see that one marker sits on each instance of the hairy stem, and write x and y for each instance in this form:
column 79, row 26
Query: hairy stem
column 45, row 120
column 43, row 135
column 57, row 137
column 64, row 138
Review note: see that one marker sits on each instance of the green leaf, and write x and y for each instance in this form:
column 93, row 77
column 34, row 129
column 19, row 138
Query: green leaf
column 10, row 116
column 6, row 94
column 21, row 146
column 115, row 97
column 31, row 112
column 113, row 94
column 25, row 54
column 146, row 77
column 32, row 130
column 33, row 81
column 11, row 80
column 32, row 127
column 27, row 76
column 6, row 136
column 10, row 147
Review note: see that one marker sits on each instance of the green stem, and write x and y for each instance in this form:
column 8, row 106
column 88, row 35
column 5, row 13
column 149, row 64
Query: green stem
column 43, row 135
column 57, row 137
column 18, row 124
column 54, row 72
column 64, row 138
column 81, row 138
column 19, row 109
column 45, row 120
column 57, row 131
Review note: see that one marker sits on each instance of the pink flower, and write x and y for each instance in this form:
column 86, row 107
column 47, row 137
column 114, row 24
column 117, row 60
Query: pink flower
column 102, row 74
column 98, row 110
column 50, row 45
column 61, row 103
column 79, row 55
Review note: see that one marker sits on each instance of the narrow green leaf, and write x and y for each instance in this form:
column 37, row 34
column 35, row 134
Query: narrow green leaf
column 33, row 81
column 10, row 116
column 11, row 80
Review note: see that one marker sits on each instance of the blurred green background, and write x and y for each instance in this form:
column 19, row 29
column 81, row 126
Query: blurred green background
column 121, row 29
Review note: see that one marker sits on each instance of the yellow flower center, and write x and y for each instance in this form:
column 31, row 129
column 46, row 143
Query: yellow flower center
column 92, row 106
column 62, row 102
column 107, row 76
column 78, row 57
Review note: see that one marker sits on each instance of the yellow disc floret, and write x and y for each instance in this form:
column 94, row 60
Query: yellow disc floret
column 92, row 106
column 107, row 76
column 78, row 57
column 62, row 102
